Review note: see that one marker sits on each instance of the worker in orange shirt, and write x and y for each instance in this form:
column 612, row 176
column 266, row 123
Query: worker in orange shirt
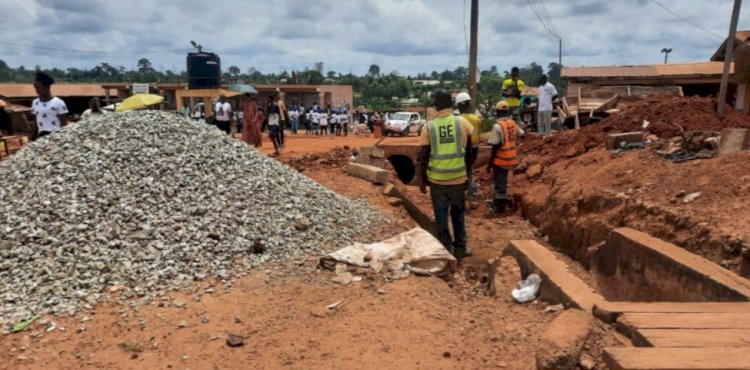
column 504, row 155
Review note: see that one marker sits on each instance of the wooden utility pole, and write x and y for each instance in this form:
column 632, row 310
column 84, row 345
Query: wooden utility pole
column 473, row 54
column 728, row 58
column 559, row 51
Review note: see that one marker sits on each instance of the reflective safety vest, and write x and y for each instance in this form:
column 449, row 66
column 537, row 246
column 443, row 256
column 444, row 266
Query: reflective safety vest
column 448, row 149
column 507, row 155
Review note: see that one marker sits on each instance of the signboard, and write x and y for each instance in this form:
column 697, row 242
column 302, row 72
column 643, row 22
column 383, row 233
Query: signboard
column 140, row 89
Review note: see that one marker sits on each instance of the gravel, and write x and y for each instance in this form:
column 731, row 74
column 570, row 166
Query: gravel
column 141, row 203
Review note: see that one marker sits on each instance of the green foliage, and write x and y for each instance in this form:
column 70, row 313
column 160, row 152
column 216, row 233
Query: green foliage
column 374, row 89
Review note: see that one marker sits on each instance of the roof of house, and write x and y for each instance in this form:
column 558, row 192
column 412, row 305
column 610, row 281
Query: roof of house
column 15, row 90
column 742, row 37
column 646, row 71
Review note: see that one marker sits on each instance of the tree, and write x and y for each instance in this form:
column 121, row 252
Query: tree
column 374, row 70
column 319, row 67
column 331, row 75
column 144, row 66
column 234, row 71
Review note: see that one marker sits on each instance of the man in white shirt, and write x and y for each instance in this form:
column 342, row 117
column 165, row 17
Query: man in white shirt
column 547, row 93
column 223, row 114
column 51, row 112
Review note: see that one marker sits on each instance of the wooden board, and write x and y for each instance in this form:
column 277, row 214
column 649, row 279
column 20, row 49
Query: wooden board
column 696, row 337
column 688, row 320
column 676, row 358
column 618, row 308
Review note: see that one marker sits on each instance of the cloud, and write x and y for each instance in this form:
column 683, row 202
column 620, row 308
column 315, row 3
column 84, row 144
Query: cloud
column 409, row 36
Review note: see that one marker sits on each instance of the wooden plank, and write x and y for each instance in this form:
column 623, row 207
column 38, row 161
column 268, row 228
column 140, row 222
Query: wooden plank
column 609, row 311
column 688, row 320
column 566, row 109
column 676, row 358
column 609, row 104
column 696, row 337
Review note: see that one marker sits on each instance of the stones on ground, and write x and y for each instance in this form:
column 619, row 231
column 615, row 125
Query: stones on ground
column 534, row 171
column 586, row 362
column 691, row 197
column 681, row 194
column 150, row 202
column 303, row 224
column 554, row 308
column 320, row 312
column 343, row 278
column 395, row 202
column 204, row 319
column 381, row 291
column 237, row 320
column 182, row 324
column 562, row 343
column 234, row 340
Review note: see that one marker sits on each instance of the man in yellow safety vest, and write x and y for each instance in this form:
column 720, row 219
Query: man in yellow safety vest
column 444, row 157
column 504, row 155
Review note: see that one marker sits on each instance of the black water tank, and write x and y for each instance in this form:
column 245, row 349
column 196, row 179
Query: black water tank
column 204, row 71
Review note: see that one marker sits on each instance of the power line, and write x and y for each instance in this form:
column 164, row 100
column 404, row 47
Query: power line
column 92, row 51
column 696, row 25
column 466, row 39
column 538, row 13
column 547, row 17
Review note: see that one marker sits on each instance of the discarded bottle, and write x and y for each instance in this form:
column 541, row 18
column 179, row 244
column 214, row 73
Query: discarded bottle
column 527, row 289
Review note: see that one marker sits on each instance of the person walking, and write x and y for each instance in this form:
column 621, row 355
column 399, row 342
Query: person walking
column 252, row 121
column 283, row 119
column 547, row 94
column 504, row 156
column 463, row 103
column 294, row 117
column 512, row 88
column 223, row 114
column 274, row 123
column 444, row 156
column 50, row 111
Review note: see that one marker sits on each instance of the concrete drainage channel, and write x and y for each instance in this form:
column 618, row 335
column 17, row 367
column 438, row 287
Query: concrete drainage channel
column 679, row 310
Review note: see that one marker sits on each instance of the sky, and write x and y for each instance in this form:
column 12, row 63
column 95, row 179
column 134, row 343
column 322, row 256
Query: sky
column 408, row 36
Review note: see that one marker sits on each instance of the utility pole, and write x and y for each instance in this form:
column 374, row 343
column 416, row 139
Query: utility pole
column 473, row 54
column 559, row 51
column 666, row 54
column 728, row 58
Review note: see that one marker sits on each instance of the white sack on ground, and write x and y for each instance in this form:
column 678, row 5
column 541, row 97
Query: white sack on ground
column 415, row 250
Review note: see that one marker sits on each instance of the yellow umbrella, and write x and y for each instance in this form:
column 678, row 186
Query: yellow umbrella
column 139, row 101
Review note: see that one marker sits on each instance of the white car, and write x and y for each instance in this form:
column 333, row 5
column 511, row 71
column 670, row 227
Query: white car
column 403, row 123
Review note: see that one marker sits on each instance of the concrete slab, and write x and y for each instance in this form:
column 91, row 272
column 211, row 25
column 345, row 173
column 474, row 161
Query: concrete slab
column 370, row 173
column 634, row 266
column 562, row 343
column 610, row 311
column 676, row 358
column 696, row 337
column 733, row 140
column 614, row 141
column 559, row 284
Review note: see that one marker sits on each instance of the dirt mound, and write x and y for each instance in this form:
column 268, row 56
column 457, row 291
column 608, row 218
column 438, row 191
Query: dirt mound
column 666, row 114
column 338, row 157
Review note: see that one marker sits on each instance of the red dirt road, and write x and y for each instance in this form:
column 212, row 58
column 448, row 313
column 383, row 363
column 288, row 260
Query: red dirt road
column 413, row 323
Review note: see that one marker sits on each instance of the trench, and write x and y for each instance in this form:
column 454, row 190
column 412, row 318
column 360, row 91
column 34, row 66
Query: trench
column 620, row 271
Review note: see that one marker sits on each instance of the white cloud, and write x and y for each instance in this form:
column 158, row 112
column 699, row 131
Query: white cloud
column 409, row 36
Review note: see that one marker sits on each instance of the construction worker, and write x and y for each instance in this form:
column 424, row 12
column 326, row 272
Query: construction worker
column 463, row 103
column 512, row 89
column 504, row 156
column 444, row 155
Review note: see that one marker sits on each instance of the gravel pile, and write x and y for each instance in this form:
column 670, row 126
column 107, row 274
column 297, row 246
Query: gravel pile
column 150, row 202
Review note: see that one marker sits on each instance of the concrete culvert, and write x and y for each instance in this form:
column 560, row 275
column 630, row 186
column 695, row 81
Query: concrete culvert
column 405, row 168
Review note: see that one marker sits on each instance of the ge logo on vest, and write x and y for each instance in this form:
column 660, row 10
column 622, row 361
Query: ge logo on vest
column 447, row 135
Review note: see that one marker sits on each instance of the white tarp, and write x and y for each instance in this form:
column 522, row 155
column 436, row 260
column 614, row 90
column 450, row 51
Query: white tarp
column 415, row 250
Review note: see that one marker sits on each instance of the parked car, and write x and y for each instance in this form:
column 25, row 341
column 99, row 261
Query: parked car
column 403, row 124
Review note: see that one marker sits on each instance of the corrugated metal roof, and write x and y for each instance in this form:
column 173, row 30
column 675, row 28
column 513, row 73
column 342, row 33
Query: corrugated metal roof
column 649, row 71
column 13, row 90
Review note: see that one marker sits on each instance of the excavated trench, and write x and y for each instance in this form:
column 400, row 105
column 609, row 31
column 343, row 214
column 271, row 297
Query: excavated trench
column 621, row 270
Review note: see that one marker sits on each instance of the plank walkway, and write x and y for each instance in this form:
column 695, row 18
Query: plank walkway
column 680, row 335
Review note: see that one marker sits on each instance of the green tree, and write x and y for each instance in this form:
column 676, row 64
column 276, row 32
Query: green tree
column 144, row 66
column 374, row 70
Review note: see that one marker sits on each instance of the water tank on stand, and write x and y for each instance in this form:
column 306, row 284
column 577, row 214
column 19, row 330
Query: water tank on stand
column 204, row 70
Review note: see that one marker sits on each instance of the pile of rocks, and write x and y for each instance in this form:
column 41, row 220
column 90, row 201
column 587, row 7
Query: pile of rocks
column 149, row 201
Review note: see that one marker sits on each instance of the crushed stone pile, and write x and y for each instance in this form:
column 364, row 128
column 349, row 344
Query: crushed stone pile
column 149, row 202
column 663, row 112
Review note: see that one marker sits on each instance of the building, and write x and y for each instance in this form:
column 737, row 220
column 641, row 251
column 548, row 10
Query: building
column 336, row 95
column 702, row 79
column 76, row 96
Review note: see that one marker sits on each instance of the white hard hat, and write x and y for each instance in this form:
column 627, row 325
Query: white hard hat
column 462, row 97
